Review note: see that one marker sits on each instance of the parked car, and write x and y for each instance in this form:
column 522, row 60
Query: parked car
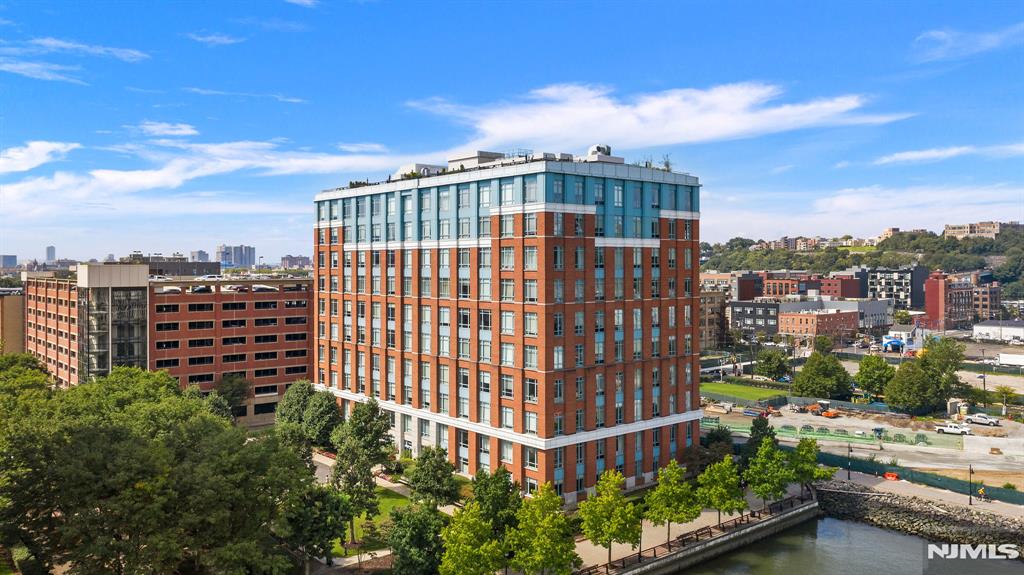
column 210, row 277
column 785, row 379
column 982, row 419
column 954, row 428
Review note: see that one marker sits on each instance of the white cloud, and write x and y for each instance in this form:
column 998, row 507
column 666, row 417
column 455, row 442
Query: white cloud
column 166, row 129
column 57, row 45
column 39, row 70
column 948, row 44
column 939, row 154
column 33, row 155
column 571, row 116
column 856, row 210
column 209, row 92
column 215, row 39
column 363, row 147
column 782, row 169
column 304, row 3
column 841, row 165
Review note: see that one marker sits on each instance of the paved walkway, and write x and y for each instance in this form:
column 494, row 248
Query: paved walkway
column 933, row 494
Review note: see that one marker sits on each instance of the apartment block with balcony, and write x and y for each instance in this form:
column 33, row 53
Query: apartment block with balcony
column 198, row 331
column 905, row 286
column 536, row 312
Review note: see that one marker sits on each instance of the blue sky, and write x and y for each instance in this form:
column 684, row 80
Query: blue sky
column 172, row 127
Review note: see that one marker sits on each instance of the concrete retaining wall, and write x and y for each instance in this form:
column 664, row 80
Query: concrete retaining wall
column 745, row 535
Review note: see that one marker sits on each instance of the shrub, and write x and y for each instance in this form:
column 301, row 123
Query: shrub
column 1009, row 485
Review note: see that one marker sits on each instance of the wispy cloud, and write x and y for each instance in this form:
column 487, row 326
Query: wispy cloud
column 276, row 24
column 57, row 45
column 949, row 44
column 33, row 155
column 939, row 154
column 209, row 92
column 782, row 169
column 215, row 39
column 367, row 147
column 571, row 116
column 855, row 210
column 842, row 164
column 304, row 3
column 39, row 70
column 167, row 129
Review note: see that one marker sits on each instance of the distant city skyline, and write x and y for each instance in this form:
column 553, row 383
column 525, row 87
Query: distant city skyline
column 830, row 119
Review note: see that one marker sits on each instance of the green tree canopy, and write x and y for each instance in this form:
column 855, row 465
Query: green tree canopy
column 234, row 389
column 320, row 418
column 353, row 475
column 127, row 474
column 772, row 363
column 293, row 404
column 803, row 463
column 369, row 427
column 607, row 517
column 760, row 428
column 823, row 344
column 673, row 499
column 720, row 489
column 901, row 317
column 874, row 373
column 414, row 537
column 470, row 546
column 499, row 499
column 432, row 479
column 315, row 520
column 915, row 390
column 542, row 542
column 767, row 473
column 822, row 376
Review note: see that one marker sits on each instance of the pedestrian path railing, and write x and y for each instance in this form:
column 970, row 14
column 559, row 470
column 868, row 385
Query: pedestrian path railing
column 691, row 538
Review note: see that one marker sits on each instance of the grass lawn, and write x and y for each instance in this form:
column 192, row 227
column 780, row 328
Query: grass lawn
column 388, row 500
column 740, row 391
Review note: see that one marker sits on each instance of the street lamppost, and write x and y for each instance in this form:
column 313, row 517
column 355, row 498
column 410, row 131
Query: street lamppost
column 849, row 459
column 970, row 485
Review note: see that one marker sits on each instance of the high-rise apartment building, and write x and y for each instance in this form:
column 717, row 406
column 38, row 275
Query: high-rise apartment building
column 51, row 254
column 236, row 256
column 199, row 256
column 536, row 312
column 12, row 321
column 199, row 331
column 8, row 261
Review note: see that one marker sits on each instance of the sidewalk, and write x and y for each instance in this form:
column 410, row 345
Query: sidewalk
column 902, row 487
column 592, row 554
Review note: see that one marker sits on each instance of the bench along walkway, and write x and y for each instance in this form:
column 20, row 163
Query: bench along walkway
column 701, row 535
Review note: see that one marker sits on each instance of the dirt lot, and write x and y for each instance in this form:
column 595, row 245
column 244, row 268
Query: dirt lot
column 989, row 477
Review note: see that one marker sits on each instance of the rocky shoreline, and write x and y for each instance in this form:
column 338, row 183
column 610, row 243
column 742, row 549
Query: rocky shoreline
column 939, row 522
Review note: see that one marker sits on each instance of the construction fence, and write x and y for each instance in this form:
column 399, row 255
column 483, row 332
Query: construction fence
column 823, row 433
column 930, row 479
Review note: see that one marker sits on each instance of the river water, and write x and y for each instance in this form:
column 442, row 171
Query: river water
column 834, row 547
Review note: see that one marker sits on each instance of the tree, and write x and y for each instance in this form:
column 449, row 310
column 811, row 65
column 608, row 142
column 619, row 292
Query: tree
column 943, row 357
column 292, row 406
column 320, row 418
column 874, row 373
column 720, row 434
column 822, row 376
column 470, row 546
column 368, row 427
column 542, row 541
column 912, row 389
column 673, row 500
column 415, row 540
column 607, row 517
column 767, row 473
column 314, row 520
column 823, row 344
column 353, row 475
column 1005, row 393
column 499, row 499
column 772, row 363
column 432, row 479
column 803, row 463
column 901, row 317
column 720, row 489
column 21, row 360
column 234, row 389
column 218, row 405
column 760, row 429
column 128, row 474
